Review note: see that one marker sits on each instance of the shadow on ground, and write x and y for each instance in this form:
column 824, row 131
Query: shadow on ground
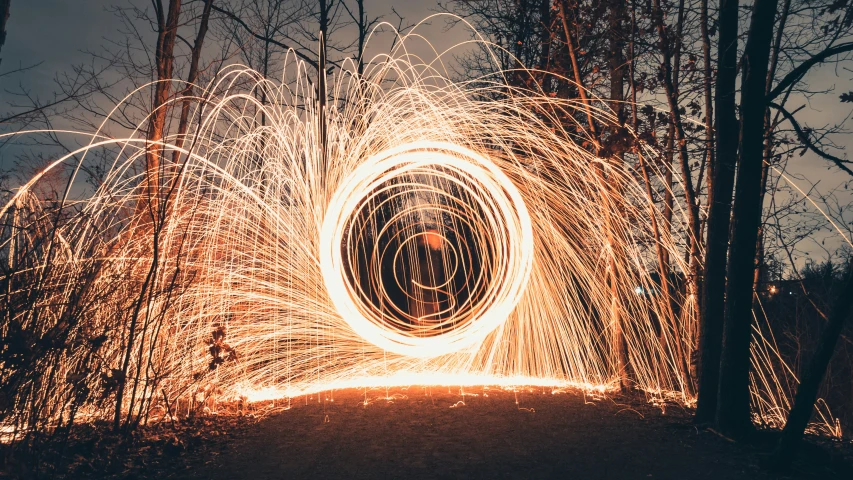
column 440, row 432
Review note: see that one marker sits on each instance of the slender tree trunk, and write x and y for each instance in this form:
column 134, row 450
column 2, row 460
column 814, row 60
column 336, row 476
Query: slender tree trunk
column 670, row 82
column 733, row 400
column 545, row 42
column 662, row 254
column 192, row 76
column 719, row 209
column 616, row 63
column 164, row 63
column 616, row 60
column 708, row 160
column 671, row 90
column 708, row 97
column 321, row 88
column 806, row 396
column 768, row 136
column 570, row 43
column 668, row 197
column 617, row 338
column 362, row 36
column 167, row 25
column 4, row 17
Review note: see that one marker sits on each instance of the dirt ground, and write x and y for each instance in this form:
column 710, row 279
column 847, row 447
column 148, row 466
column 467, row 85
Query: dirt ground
column 441, row 432
column 428, row 432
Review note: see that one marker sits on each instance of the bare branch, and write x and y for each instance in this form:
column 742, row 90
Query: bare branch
column 251, row 32
column 798, row 73
column 807, row 142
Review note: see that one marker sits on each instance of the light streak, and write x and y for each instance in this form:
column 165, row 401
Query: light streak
column 442, row 173
column 451, row 233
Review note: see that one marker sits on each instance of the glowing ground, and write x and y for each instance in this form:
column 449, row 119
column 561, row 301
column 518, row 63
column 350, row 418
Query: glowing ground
column 453, row 432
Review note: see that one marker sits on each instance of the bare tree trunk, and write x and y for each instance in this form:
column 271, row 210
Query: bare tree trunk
column 545, row 41
column 570, row 43
column 192, row 76
column 616, row 61
column 708, row 160
column 325, row 6
column 167, row 30
column 668, row 197
column 768, row 136
column 806, row 396
column 719, row 209
column 4, row 17
column 733, row 400
column 670, row 82
column 662, row 253
column 671, row 89
column 708, row 97
column 362, row 36
column 164, row 59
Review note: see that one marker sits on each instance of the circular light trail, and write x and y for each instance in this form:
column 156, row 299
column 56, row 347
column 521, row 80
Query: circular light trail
column 444, row 232
column 426, row 248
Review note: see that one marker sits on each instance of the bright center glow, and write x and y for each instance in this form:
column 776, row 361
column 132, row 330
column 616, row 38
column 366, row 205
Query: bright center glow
column 475, row 239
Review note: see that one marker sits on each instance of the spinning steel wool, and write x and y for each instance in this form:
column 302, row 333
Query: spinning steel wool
column 407, row 230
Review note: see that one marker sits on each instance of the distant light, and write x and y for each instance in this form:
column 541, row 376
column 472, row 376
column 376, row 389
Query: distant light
column 772, row 289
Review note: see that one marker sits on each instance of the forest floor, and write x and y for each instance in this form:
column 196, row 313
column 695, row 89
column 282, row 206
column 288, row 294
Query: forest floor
column 441, row 432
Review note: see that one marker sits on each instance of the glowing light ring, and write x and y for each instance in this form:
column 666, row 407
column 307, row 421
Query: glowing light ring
column 510, row 266
column 247, row 200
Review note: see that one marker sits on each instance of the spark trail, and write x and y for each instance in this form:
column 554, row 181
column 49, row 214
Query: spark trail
column 447, row 232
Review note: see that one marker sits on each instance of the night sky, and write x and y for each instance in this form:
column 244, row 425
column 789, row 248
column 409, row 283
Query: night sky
column 55, row 34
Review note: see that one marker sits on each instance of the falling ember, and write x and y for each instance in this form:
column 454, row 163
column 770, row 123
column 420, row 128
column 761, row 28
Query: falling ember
column 445, row 232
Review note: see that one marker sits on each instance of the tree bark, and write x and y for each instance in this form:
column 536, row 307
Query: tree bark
column 362, row 36
column 768, row 136
column 545, row 42
column 806, row 396
column 733, row 400
column 167, row 31
column 719, row 209
column 668, row 197
column 4, row 17
column 670, row 80
column 616, row 59
column 616, row 63
column 192, row 76
column 325, row 6
column 577, row 74
column 670, row 83
column 707, row 95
